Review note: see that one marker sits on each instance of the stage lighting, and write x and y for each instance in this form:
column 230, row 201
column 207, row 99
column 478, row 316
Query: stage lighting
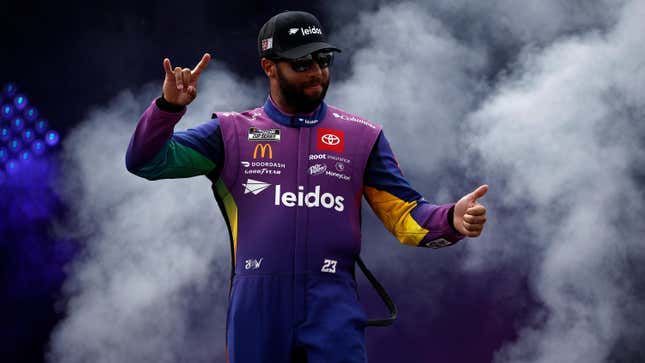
column 5, row 134
column 7, row 112
column 51, row 137
column 28, row 136
column 41, row 126
column 25, row 155
column 38, row 147
column 15, row 146
column 31, row 113
column 9, row 90
column 11, row 167
column 20, row 102
column 23, row 134
column 18, row 124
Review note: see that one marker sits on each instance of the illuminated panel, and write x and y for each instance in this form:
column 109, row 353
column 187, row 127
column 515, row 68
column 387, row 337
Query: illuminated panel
column 24, row 134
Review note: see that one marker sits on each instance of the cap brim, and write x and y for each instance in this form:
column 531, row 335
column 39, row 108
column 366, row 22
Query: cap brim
column 305, row 49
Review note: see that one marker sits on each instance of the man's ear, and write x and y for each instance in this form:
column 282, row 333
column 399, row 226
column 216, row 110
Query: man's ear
column 268, row 67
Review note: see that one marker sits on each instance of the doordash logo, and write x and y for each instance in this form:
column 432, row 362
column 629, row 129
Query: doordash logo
column 331, row 140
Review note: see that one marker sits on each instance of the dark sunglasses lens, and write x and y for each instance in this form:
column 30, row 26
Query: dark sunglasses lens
column 301, row 65
column 325, row 59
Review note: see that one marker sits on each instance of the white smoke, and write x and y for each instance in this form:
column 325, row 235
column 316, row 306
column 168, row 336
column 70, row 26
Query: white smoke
column 152, row 279
column 563, row 130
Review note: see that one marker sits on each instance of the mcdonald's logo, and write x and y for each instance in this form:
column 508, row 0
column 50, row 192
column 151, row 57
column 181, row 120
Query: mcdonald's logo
column 263, row 151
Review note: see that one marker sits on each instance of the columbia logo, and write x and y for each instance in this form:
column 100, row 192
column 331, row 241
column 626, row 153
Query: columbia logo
column 255, row 186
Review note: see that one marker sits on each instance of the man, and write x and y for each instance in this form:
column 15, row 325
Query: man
column 288, row 177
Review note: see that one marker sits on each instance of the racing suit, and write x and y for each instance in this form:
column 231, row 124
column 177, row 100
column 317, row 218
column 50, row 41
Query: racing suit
column 290, row 189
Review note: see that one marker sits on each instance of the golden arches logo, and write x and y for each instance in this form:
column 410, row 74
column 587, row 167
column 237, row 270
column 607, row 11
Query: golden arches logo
column 263, row 150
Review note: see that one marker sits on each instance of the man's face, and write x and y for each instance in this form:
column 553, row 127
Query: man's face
column 303, row 91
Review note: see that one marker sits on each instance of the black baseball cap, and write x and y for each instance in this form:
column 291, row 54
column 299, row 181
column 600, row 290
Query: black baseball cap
column 291, row 35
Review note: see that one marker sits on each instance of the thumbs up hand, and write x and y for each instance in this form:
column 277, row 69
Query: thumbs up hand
column 470, row 216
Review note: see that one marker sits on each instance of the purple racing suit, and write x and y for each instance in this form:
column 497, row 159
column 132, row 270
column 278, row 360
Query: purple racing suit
column 290, row 190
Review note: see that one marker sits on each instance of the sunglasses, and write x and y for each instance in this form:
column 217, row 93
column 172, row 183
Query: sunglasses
column 302, row 64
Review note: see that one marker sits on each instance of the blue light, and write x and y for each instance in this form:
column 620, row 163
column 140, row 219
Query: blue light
column 51, row 138
column 28, row 136
column 5, row 134
column 7, row 111
column 38, row 147
column 4, row 154
column 15, row 145
column 25, row 155
column 20, row 102
column 42, row 126
column 18, row 124
column 9, row 89
column 31, row 113
column 11, row 166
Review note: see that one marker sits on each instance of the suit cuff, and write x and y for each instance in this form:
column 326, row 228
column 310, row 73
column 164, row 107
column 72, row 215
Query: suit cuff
column 167, row 106
column 441, row 226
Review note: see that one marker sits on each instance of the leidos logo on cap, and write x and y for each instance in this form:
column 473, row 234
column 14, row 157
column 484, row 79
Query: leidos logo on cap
column 291, row 35
column 307, row 31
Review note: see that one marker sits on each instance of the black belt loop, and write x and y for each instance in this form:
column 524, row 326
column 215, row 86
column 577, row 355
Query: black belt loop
column 382, row 293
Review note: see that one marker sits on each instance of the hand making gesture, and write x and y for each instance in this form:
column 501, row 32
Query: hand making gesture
column 180, row 85
column 470, row 216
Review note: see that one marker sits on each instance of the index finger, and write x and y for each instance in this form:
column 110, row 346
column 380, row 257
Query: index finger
column 199, row 68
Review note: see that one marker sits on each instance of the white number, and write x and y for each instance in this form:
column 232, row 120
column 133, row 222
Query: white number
column 329, row 266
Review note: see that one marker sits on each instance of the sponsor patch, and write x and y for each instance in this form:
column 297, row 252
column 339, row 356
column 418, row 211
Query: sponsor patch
column 329, row 157
column 337, row 175
column 255, row 186
column 331, row 140
column 252, row 264
column 263, row 151
column 353, row 119
column 256, row 134
column 438, row 243
column 317, row 169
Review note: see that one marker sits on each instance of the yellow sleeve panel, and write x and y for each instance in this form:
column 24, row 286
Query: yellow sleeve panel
column 395, row 215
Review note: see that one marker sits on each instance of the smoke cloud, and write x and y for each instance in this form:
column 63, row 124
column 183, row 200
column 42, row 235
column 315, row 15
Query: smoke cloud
column 151, row 283
column 564, row 131
column 541, row 100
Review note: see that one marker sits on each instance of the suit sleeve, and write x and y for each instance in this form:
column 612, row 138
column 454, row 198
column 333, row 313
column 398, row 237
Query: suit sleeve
column 403, row 211
column 156, row 152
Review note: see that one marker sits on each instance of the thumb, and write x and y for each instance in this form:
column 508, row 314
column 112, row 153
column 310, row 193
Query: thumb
column 168, row 69
column 479, row 192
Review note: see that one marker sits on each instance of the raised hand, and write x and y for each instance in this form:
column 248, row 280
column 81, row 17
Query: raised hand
column 470, row 216
column 180, row 85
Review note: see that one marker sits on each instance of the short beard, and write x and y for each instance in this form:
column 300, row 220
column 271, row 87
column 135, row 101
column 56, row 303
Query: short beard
column 295, row 97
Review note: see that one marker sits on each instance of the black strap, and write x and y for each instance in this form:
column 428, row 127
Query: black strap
column 382, row 293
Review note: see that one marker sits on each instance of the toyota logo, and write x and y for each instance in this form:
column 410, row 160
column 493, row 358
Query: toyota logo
column 330, row 139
